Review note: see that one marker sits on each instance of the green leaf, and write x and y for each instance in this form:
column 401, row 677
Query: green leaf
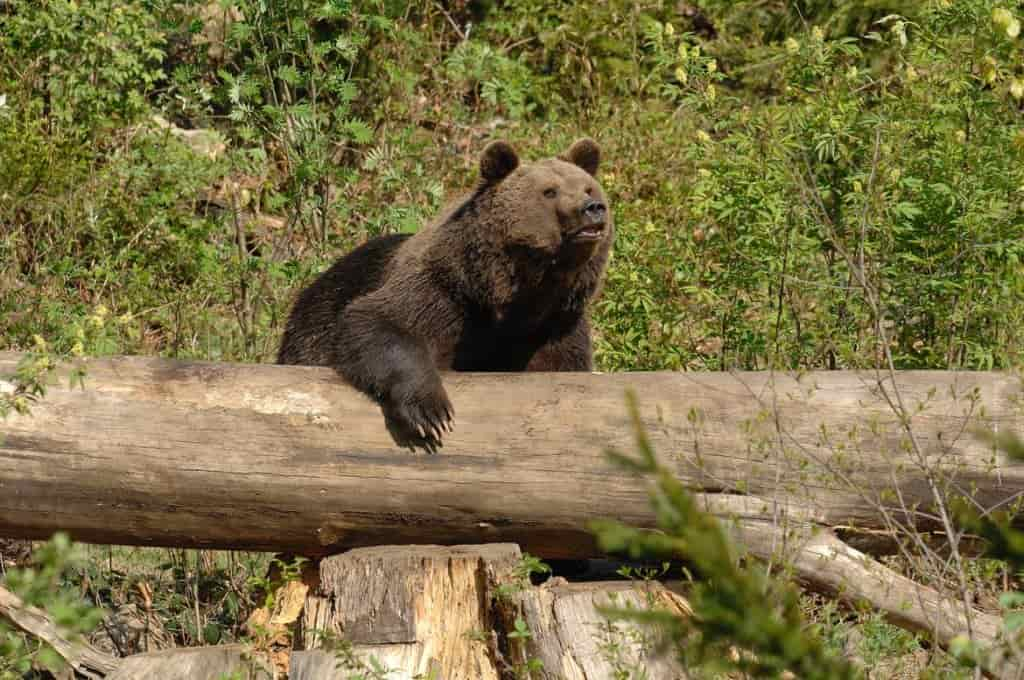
column 358, row 131
column 289, row 74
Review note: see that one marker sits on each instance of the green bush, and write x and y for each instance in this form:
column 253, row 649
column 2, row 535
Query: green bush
column 912, row 165
column 91, row 64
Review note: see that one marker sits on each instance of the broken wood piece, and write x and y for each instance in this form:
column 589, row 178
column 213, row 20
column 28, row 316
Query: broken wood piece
column 575, row 641
column 78, row 654
column 826, row 564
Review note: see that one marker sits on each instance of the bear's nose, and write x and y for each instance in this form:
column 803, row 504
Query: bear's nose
column 593, row 211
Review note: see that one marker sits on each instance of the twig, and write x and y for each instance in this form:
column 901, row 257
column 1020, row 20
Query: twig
column 458, row 31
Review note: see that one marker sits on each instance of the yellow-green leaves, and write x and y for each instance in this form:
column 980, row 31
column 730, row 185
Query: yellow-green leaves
column 1004, row 21
column 989, row 70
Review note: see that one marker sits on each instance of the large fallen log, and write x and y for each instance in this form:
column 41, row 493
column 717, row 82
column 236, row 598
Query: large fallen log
column 170, row 453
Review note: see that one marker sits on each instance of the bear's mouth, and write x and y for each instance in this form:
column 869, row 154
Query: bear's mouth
column 589, row 232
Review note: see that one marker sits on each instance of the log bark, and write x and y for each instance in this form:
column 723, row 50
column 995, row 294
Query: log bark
column 262, row 457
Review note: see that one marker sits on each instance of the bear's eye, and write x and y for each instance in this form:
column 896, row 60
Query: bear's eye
column 551, row 193
column 590, row 191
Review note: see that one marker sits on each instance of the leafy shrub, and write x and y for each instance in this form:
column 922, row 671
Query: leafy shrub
column 91, row 64
column 908, row 168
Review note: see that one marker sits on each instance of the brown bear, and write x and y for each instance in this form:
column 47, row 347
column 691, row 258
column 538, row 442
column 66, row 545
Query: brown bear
column 498, row 282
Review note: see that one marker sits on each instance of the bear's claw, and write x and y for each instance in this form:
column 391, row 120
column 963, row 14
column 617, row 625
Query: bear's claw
column 420, row 417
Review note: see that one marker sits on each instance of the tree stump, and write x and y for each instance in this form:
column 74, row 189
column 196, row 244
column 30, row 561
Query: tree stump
column 447, row 613
column 575, row 641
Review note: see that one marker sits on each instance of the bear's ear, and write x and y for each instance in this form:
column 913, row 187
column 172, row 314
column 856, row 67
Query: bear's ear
column 498, row 161
column 585, row 153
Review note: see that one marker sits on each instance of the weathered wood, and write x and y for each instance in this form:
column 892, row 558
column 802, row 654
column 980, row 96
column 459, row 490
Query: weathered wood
column 417, row 610
column 79, row 654
column 575, row 641
column 196, row 663
column 168, row 453
column 828, row 565
column 314, row 664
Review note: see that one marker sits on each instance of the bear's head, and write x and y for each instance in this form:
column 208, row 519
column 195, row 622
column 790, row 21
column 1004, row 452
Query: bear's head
column 551, row 212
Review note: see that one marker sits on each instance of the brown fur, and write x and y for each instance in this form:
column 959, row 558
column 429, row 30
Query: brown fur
column 498, row 282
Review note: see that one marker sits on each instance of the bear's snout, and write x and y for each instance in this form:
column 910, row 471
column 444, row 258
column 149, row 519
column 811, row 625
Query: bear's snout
column 594, row 212
column 593, row 217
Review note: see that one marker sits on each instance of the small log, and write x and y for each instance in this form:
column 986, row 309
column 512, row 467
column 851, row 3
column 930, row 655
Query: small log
column 78, row 654
column 195, row 663
column 826, row 564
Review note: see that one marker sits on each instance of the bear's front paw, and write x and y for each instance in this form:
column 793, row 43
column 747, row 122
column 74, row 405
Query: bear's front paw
column 418, row 413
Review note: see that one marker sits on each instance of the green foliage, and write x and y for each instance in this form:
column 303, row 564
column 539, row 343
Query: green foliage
column 733, row 604
column 527, row 566
column 486, row 75
column 883, row 640
column 91, row 65
column 287, row 571
column 288, row 77
column 762, row 23
column 905, row 163
column 36, row 370
column 44, row 585
column 595, row 50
